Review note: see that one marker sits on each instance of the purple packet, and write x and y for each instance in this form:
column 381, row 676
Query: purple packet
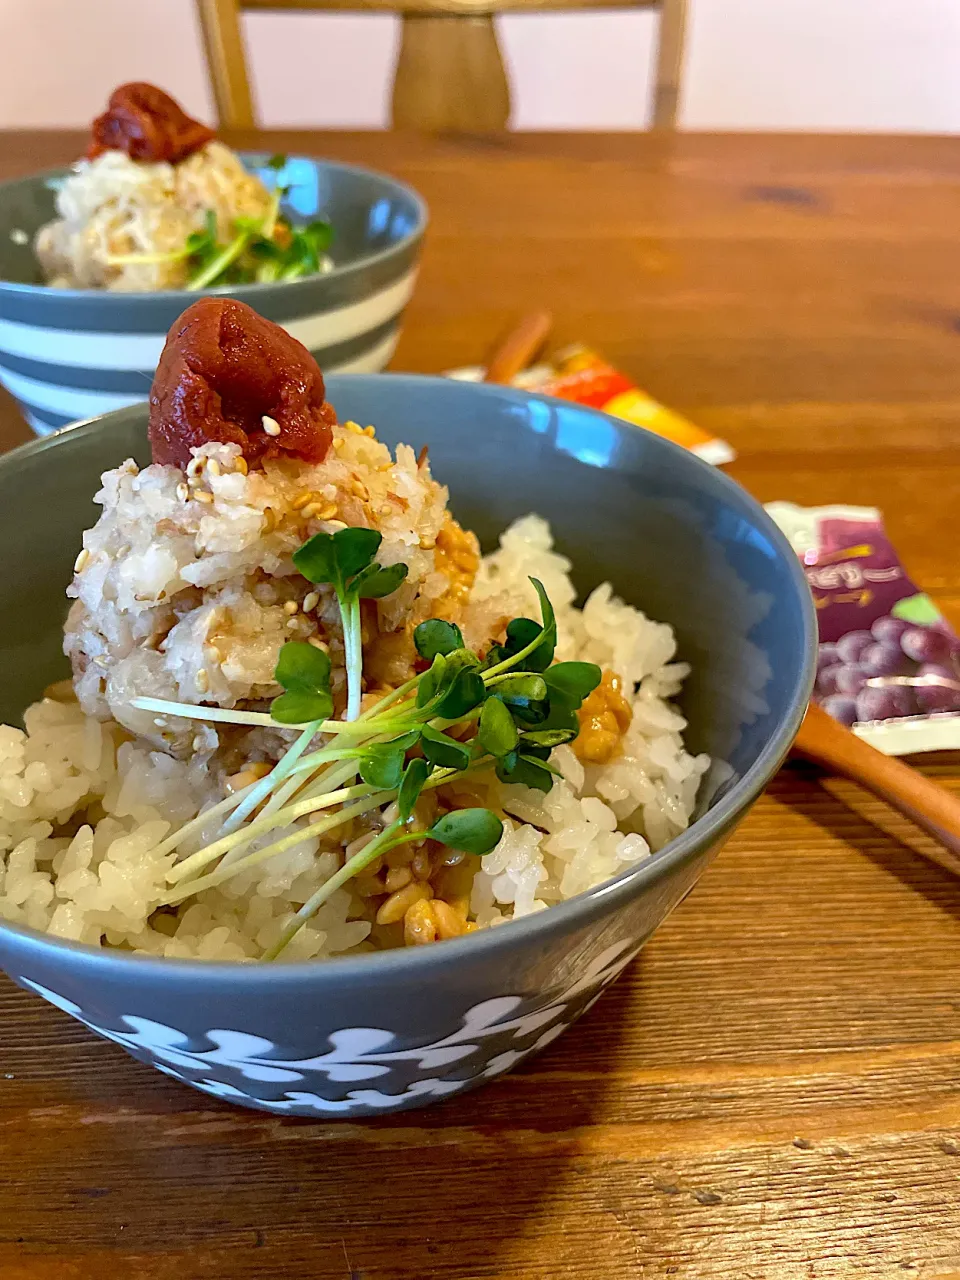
column 889, row 663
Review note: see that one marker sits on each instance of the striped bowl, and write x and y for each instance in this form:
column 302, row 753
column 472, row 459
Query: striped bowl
column 71, row 354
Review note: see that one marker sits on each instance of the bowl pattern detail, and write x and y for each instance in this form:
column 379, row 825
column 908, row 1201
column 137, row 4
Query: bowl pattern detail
column 492, row 1037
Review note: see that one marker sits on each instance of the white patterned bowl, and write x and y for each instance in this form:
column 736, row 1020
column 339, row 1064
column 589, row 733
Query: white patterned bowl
column 375, row 1033
column 71, row 354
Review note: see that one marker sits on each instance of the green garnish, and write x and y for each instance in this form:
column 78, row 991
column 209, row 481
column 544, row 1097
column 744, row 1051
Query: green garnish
column 344, row 560
column 521, row 703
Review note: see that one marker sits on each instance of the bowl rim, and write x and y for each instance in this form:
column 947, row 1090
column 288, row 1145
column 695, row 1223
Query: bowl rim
column 573, row 913
column 242, row 291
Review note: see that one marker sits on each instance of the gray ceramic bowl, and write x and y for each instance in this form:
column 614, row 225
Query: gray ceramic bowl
column 383, row 1032
column 69, row 354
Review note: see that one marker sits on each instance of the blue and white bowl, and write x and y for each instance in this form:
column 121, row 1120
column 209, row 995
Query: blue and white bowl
column 71, row 354
column 365, row 1035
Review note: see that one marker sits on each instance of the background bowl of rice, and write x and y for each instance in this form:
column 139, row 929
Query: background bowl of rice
column 366, row 1034
column 70, row 354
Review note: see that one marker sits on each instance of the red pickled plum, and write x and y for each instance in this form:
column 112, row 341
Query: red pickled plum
column 227, row 375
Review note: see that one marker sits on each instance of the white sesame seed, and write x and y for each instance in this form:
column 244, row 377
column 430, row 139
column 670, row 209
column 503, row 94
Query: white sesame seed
column 81, row 560
column 291, row 623
column 202, row 680
column 290, row 606
column 318, row 644
column 213, row 467
column 183, row 493
column 270, row 425
column 203, row 496
column 160, row 722
column 310, row 601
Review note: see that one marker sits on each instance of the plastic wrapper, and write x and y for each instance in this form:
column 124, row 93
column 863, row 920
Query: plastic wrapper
column 888, row 663
column 577, row 373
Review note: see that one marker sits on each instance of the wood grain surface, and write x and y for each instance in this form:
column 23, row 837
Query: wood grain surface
column 772, row 1092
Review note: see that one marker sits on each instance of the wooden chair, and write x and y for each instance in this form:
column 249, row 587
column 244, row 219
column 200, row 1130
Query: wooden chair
column 450, row 74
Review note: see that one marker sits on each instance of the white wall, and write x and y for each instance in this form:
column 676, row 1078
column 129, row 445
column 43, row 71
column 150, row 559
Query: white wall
column 752, row 64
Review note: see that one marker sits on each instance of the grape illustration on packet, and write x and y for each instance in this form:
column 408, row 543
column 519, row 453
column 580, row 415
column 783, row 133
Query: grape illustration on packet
column 888, row 664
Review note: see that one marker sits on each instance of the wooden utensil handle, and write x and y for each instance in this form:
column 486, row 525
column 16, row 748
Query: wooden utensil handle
column 930, row 806
column 518, row 347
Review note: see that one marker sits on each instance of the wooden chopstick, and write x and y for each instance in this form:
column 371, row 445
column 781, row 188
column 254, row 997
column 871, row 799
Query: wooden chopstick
column 517, row 348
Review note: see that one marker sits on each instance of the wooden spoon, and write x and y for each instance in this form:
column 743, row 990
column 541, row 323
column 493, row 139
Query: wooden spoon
column 518, row 347
column 930, row 806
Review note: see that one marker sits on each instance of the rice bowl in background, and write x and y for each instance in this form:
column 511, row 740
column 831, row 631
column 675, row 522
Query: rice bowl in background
column 71, row 354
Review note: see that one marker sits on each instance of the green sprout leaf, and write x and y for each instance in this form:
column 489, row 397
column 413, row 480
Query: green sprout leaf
column 431, row 680
column 277, row 162
column 304, row 672
column 520, row 689
column 355, row 549
column 497, row 731
column 466, row 692
column 442, row 750
column 547, row 737
column 571, row 682
column 526, row 769
column 317, row 559
column 382, row 767
column 436, row 636
column 375, row 582
column 414, row 776
column 469, row 830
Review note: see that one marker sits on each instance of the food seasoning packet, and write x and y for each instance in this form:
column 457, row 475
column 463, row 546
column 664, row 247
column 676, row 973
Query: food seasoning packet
column 577, row 373
column 888, row 663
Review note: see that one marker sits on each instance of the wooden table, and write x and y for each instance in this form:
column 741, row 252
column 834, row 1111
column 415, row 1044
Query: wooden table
column 773, row 1090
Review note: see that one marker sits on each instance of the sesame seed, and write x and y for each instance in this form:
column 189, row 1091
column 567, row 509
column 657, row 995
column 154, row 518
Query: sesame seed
column 81, row 560
column 183, row 493
column 370, row 431
column 160, row 722
column 318, row 644
column 302, row 499
column 212, row 654
column 290, row 606
column 386, row 509
column 328, row 512
column 339, row 443
column 310, row 510
column 213, row 467
column 270, row 425
column 195, row 466
column 310, row 601
column 202, row 680
column 241, row 465
column 269, row 521
column 291, row 623
column 203, row 496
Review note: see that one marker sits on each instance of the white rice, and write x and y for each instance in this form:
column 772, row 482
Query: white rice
column 83, row 808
